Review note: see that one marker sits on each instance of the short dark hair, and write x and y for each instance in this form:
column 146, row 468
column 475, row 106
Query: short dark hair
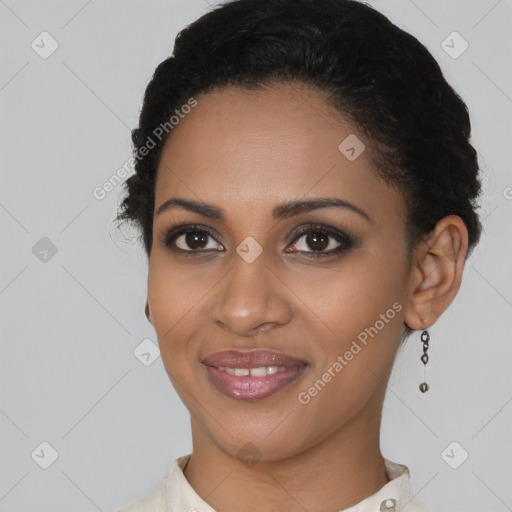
column 377, row 75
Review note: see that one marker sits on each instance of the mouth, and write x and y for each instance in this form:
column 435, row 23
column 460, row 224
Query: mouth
column 252, row 375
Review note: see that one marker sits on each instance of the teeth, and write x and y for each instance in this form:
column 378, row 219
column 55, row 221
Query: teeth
column 261, row 371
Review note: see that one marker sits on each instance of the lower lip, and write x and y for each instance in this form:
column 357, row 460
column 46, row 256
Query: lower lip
column 252, row 388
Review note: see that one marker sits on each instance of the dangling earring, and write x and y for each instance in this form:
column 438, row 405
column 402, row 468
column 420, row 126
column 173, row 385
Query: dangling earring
column 425, row 338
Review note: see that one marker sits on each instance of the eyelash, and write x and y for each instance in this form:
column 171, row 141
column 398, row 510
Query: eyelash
column 346, row 241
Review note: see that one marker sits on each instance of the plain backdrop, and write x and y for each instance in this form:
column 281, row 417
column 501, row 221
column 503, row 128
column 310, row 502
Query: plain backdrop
column 73, row 374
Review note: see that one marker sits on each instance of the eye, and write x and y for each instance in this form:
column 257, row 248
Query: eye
column 322, row 240
column 319, row 239
column 191, row 238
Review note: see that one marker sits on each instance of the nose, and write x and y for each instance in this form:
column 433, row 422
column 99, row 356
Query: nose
column 251, row 298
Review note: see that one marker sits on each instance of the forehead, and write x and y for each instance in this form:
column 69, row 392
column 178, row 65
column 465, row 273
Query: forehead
column 265, row 146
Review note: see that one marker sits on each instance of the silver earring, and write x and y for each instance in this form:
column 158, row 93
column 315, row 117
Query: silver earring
column 425, row 338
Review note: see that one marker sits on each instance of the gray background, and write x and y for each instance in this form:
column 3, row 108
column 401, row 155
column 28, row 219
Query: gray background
column 70, row 322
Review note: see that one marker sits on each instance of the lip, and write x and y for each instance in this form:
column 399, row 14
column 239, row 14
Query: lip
column 252, row 387
column 251, row 359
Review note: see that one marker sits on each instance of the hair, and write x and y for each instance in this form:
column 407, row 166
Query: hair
column 377, row 76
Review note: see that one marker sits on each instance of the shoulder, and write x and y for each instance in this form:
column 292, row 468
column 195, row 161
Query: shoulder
column 397, row 491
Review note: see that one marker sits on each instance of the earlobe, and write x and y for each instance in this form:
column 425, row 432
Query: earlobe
column 437, row 272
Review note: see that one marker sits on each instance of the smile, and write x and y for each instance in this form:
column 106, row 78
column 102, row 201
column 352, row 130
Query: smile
column 245, row 376
column 261, row 371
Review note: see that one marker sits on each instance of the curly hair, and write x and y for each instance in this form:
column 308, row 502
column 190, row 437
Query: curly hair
column 378, row 76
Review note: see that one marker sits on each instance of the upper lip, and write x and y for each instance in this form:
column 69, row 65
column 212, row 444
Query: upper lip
column 251, row 359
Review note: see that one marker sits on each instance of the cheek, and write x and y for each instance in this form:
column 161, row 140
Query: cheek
column 174, row 292
column 355, row 363
column 353, row 295
column 360, row 306
column 172, row 299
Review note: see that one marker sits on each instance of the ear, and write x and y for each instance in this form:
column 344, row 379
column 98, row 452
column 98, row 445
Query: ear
column 148, row 312
column 436, row 272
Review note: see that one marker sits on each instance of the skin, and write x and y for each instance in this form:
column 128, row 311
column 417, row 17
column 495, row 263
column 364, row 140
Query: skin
column 246, row 152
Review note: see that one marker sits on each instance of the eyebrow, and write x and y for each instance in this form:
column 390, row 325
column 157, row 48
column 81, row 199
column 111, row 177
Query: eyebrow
column 282, row 211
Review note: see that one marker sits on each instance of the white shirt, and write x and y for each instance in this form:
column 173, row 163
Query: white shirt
column 174, row 494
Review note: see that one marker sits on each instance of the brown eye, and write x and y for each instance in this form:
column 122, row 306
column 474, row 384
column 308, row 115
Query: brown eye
column 196, row 240
column 317, row 242
column 321, row 241
column 191, row 239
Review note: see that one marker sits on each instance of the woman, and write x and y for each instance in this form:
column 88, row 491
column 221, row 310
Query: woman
column 306, row 192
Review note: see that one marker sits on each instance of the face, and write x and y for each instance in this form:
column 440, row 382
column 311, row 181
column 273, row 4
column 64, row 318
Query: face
column 266, row 269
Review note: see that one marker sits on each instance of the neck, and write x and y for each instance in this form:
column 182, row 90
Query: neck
column 333, row 475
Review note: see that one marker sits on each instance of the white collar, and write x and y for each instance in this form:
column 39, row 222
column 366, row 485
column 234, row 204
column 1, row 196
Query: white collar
column 392, row 497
